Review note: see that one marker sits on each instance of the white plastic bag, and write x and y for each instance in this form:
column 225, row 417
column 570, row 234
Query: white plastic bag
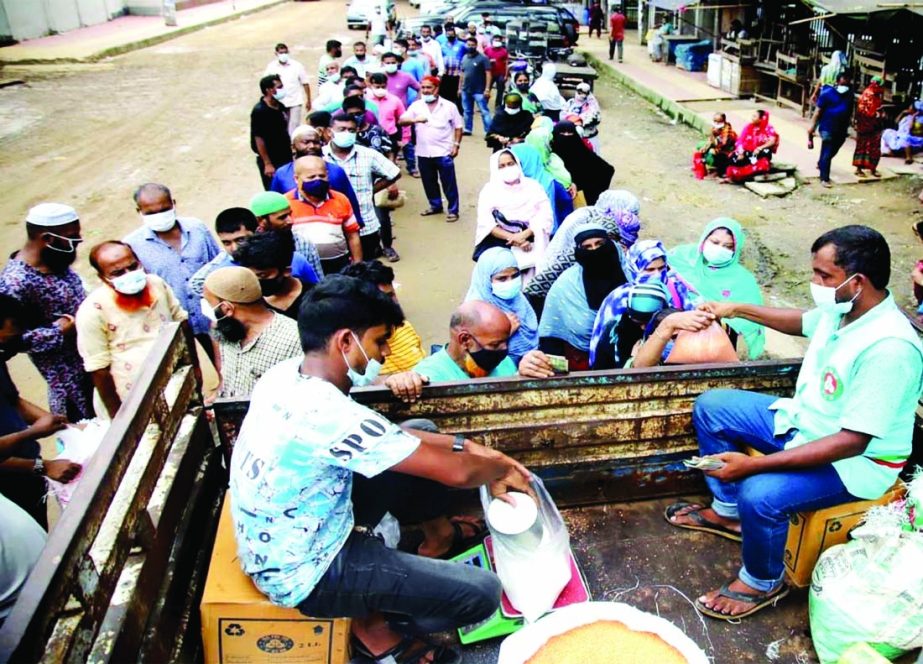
column 389, row 530
column 533, row 575
column 77, row 445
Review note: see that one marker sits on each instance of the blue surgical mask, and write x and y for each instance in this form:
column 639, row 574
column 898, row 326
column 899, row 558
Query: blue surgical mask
column 717, row 255
column 507, row 290
column 130, row 283
column 372, row 367
column 344, row 139
column 278, row 95
column 429, row 99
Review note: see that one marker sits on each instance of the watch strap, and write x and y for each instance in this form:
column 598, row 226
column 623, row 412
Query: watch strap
column 459, row 444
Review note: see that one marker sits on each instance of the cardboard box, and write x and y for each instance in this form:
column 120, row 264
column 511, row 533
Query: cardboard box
column 812, row 533
column 241, row 626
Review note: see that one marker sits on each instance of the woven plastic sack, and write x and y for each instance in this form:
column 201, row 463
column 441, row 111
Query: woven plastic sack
column 533, row 575
column 868, row 590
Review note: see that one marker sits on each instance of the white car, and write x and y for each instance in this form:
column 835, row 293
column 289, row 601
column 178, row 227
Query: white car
column 357, row 13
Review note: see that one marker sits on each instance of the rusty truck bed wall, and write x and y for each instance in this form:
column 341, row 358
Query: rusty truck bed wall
column 119, row 579
column 597, row 437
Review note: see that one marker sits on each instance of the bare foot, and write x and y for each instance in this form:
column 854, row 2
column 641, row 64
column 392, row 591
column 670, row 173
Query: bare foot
column 708, row 514
column 731, row 607
column 876, row 174
column 440, row 537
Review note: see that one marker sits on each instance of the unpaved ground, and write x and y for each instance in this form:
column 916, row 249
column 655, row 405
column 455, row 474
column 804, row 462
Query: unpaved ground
column 178, row 113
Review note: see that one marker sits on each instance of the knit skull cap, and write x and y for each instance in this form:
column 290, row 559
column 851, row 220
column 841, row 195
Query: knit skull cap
column 234, row 284
column 51, row 214
column 267, row 202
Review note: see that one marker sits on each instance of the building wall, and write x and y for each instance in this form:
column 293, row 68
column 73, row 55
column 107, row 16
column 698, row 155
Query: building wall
column 28, row 19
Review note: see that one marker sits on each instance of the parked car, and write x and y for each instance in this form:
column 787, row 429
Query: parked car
column 357, row 12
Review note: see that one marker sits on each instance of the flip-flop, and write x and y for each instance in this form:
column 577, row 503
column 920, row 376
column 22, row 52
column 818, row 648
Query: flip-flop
column 429, row 212
column 701, row 523
column 451, row 218
column 760, row 602
column 405, row 652
column 461, row 542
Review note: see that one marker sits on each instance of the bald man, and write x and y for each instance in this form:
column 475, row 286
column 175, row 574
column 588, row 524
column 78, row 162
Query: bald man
column 324, row 216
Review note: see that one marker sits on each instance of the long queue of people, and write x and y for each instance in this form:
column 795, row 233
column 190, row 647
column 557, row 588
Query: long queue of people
column 291, row 309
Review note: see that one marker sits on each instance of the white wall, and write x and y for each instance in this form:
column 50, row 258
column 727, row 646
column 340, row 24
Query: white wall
column 28, row 19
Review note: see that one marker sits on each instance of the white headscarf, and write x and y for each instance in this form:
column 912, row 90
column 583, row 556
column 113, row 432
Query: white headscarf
column 545, row 89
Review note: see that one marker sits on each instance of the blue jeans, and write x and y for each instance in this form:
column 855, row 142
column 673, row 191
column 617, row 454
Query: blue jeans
column 726, row 421
column 434, row 169
column 468, row 101
column 410, row 151
column 830, row 144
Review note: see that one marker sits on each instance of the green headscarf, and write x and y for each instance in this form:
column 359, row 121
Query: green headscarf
column 540, row 139
column 728, row 283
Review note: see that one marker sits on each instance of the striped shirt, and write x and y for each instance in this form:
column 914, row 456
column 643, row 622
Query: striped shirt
column 406, row 350
column 326, row 225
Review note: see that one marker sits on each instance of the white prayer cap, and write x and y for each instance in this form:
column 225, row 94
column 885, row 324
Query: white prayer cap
column 51, row 214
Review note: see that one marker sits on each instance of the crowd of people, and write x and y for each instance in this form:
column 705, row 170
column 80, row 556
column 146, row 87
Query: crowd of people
column 291, row 308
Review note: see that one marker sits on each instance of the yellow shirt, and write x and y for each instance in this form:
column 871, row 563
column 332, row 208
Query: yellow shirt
column 406, row 350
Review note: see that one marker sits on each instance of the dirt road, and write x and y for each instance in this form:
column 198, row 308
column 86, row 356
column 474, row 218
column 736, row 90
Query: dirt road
column 178, row 114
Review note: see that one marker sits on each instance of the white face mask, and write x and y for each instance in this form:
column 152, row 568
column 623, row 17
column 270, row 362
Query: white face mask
column 717, row 125
column 379, row 92
column 511, row 110
column 426, row 38
column 278, row 95
column 208, row 311
column 283, row 57
column 160, row 222
column 506, row 290
column 130, row 283
column 390, row 68
column 497, row 44
column 825, row 298
column 717, row 255
column 372, row 367
column 842, row 89
column 334, row 77
column 510, row 174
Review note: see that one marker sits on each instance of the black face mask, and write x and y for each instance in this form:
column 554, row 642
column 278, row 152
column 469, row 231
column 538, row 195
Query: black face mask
column 487, row 358
column 231, row 329
column 522, row 87
column 597, row 261
column 271, row 286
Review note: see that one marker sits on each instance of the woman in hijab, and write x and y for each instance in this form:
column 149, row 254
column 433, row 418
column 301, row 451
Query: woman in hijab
column 755, row 146
column 868, row 129
column 540, row 139
column 510, row 125
column 520, row 84
column 908, row 137
column 531, row 162
column 585, row 106
column 591, row 173
column 547, row 92
column 570, row 309
column 646, row 264
column 714, row 270
column 513, row 212
column 624, row 207
column 496, row 280
column 612, row 207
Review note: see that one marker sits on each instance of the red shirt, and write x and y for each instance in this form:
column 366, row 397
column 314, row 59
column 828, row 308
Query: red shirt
column 617, row 26
column 499, row 58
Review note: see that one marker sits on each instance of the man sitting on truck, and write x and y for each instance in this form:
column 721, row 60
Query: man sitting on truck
column 844, row 436
column 313, row 472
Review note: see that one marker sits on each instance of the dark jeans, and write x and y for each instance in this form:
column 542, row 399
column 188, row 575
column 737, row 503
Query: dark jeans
column 384, row 218
column 448, row 89
column 613, row 45
column 432, row 171
column 410, row 151
column 830, row 144
column 726, row 421
column 27, row 491
column 266, row 180
column 499, row 84
column 418, row 595
column 371, row 246
column 334, row 265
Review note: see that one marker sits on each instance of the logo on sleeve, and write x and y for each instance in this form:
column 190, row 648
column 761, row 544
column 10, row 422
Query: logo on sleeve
column 832, row 386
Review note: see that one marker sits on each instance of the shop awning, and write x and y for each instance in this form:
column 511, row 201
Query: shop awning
column 842, row 7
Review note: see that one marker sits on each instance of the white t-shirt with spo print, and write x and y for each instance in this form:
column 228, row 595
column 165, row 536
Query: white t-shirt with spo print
column 291, row 477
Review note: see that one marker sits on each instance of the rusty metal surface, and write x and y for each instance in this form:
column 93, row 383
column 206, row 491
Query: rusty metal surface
column 107, row 528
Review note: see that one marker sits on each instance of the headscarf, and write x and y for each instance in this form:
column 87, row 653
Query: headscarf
column 830, row 71
column 545, row 89
column 590, row 172
column 523, row 201
column 727, row 283
column 531, row 162
column 540, row 139
column 870, row 100
column 757, row 133
column 511, row 126
column 587, row 110
column 491, row 262
column 574, row 298
column 624, row 207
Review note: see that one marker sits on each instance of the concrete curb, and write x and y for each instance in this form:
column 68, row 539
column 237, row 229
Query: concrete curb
column 142, row 43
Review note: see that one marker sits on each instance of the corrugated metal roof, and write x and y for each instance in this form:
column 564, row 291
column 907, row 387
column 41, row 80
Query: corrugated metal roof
column 866, row 6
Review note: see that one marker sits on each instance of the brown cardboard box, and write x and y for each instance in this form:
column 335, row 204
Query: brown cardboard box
column 812, row 533
column 241, row 626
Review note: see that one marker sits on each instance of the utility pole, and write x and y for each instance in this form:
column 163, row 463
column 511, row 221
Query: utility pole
column 169, row 13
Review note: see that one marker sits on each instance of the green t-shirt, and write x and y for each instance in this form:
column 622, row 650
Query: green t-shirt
column 440, row 367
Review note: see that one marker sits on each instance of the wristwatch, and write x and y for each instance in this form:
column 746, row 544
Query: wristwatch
column 459, row 444
column 38, row 467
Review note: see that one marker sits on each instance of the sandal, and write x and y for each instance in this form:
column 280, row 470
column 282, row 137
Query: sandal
column 759, row 600
column 429, row 212
column 451, row 217
column 411, row 542
column 405, row 652
column 701, row 523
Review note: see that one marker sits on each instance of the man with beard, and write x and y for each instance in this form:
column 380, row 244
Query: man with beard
column 119, row 321
column 252, row 338
column 273, row 213
column 269, row 257
column 308, row 141
column 333, row 52
column 40, row 277
column 173, row 248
